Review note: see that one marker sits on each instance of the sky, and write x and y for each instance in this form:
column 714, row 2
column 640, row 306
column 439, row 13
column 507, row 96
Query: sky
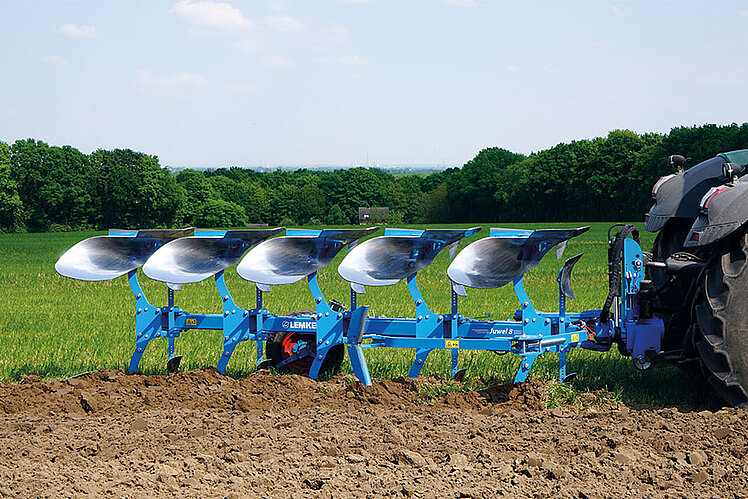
column 205, row 83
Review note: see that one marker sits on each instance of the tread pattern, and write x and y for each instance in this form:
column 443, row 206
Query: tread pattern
column 721, row 312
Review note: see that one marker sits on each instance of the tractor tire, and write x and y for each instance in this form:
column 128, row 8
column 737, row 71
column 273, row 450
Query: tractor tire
column 721, row 311
column 674, row 294
column 279, row 347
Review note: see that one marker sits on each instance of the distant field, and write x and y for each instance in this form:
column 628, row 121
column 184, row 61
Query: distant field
column 57, row 327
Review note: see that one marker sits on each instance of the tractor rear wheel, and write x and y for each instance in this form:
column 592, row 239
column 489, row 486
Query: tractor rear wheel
column 282, row 345
column 721, row 310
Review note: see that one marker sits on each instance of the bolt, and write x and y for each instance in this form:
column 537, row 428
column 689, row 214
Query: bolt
column 561, row 319
column 140, row 334
column 420, row 361
column 145, row 309
column 140, row 349
column 171, row 309
column 226, row 354
column 225, row 338
column 139, row 295
column 233, row 311
column 226, row 298
column 226, row 312
column 246, row 313
column 547, row 321
column 327, row 314
column 419, row 302
column 526, row 304
column 340, row 315
column 319, row 300
column 246, row 338
column 319, row 342
column 441, row 318
column 527, row 321
column 420, row 317
column 319, row 357
column 427, row 317
column 533, row 319
column 340, row 341
column 319, row 316
column 526, row 365
column 140, row 310
column 327, row 343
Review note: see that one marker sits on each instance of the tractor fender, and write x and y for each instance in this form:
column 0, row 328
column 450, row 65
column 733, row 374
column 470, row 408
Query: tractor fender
column 678, row 196
column 722, row 211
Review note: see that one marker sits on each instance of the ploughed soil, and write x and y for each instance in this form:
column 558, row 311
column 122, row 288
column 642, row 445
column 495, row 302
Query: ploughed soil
column 201, row 434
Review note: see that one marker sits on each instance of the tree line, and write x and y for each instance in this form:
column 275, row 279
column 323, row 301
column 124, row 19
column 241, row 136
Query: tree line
column 51, row 188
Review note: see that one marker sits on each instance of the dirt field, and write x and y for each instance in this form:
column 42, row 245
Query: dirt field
column 201, row 434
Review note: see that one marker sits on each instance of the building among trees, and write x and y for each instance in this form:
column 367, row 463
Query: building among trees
column 372, row 215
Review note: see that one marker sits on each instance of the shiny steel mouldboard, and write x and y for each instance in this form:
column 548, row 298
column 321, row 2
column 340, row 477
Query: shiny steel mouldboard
column 192, row 259
column 398, row 254
column 287, row 259
column 506, row 255
column 102, row 258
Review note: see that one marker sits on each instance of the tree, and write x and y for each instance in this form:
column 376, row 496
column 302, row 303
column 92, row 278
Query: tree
column 471, row 191
column 135, row 191
column 12, row 214
column 219, row 213
column 253, row 198
column 336, row 216
column 55, row 184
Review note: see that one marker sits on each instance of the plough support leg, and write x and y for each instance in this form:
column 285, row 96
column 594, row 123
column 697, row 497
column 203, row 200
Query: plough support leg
column 528, row 359
column 147, row 321
column 228, row 349
column 421, row 354
column 318, row 360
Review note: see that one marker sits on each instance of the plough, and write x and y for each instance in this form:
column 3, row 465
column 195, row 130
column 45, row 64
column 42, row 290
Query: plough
column 316, row 342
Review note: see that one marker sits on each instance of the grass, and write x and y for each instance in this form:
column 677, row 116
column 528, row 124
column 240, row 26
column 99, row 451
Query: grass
column 57, row 327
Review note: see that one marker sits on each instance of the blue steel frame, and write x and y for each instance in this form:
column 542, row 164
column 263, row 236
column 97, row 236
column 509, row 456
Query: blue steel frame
column 533, row 334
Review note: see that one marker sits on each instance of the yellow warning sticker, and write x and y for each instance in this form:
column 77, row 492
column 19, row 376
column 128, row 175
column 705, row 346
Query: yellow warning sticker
column 574, row 338
column 191, row 322
column 451, row 343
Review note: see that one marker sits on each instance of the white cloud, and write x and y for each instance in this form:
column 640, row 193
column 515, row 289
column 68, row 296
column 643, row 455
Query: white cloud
column 350, row 1
column 744, row 13
column 209, row 14
column 462, row 3
column 511, row 68
column 349, row 61
column 54, row 60
column 175, row 82
column 618, row 12
column 284, row 23
column 275, row 61
column 73, row 31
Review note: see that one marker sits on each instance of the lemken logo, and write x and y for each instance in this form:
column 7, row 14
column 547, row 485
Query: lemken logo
column 299, row 325
column 500, row 331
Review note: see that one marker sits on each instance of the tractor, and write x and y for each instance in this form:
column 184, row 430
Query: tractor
column 698, row 270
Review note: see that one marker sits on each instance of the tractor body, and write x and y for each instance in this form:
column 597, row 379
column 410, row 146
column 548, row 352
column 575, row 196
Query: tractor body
column 699, row 270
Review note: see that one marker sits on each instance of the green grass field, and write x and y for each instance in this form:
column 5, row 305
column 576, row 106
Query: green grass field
column 57, row 327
